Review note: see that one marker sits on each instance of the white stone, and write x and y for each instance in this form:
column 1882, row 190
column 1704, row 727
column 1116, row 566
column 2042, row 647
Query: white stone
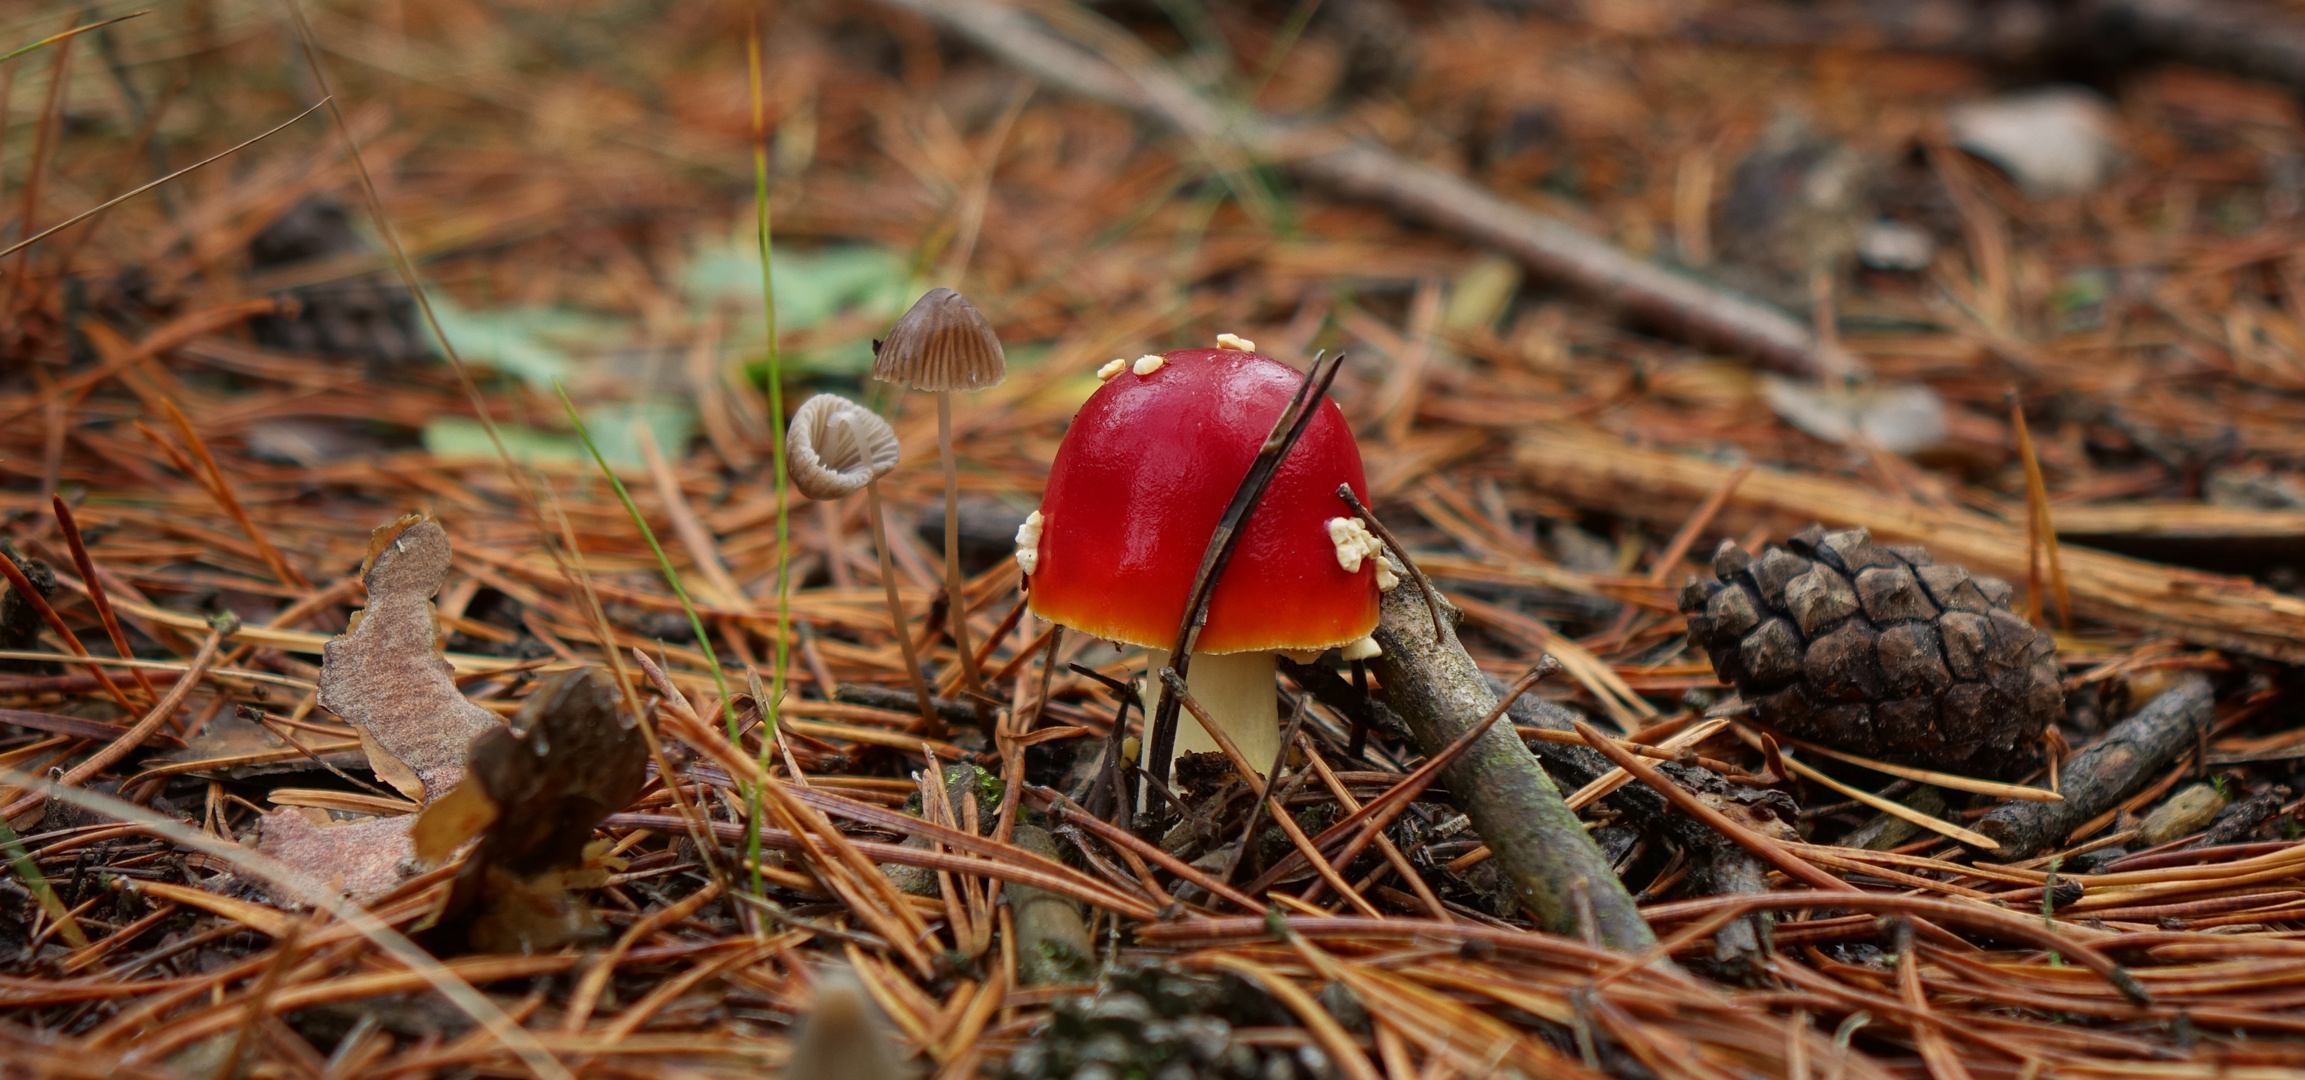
column 1888, row 244
column 1149, row 363
column 2056, row 140
column 1111, row 368
column 1236, row 343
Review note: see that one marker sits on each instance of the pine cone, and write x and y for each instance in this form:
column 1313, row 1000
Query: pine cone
column 1877, row 650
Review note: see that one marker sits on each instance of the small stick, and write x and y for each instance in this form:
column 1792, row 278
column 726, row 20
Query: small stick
column 96, row 596
column 1400, row 863
column 1363, row 170
column 1676, row 755
column 992, row 641
column 934, row 724
column 1360, row 735
column 1105, row 793
column 1891, row 807
column 1424, row 584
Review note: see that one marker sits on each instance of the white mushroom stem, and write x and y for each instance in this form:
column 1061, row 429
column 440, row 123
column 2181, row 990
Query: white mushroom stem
column 1237, row 691
column 956, row 609
column 933, row 724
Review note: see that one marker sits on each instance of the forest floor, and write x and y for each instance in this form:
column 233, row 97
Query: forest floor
column 2058, row 339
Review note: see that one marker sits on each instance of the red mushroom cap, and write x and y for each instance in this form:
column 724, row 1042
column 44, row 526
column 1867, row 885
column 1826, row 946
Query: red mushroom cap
column 1143, row 477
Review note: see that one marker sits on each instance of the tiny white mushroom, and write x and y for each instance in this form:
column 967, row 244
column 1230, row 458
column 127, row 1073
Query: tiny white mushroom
column 835, row 446
column 1236, row 343
column 1363, row 649
column 1028, row 543
column 1111, row 368
column 1149, row 363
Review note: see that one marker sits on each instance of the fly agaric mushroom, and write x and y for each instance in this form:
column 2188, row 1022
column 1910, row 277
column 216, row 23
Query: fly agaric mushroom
column 943, row 344
column 1140, row 482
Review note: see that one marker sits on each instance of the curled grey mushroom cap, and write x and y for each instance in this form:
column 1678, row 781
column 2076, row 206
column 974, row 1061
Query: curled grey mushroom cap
column 836, row 446
column 943, row 343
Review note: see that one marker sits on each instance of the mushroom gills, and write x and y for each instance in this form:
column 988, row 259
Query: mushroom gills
column 1237, row 691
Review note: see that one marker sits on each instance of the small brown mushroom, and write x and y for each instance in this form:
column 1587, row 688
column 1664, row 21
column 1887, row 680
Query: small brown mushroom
column 832, row 448
column 944, row 344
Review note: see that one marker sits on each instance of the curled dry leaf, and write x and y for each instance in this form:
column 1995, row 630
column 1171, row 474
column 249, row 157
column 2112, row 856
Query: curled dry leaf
column 385, row 675
column 534, row 792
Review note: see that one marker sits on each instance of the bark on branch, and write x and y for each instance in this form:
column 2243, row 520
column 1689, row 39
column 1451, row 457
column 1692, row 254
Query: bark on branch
column 1090, row 60
column 1540, row 846
column 1717, row 866
column 2108, row 771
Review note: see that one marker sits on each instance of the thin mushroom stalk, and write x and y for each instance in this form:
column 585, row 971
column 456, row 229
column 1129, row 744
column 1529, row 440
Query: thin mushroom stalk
column 900, row 625
column 956, row 600
column 941, row 345
column 834, row 448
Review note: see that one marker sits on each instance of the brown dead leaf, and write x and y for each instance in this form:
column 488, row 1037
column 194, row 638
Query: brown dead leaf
column 363, row 858
column 534, row 792
column 385, row 675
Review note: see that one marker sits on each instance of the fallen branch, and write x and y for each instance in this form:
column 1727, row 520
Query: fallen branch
column 2108, row 771
column 1716, row 864
column 1124, row 74
column 2207, row 609
column 1542, row 850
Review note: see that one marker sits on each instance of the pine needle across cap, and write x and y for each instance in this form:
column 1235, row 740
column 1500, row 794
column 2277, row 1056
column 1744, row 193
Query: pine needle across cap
column 943, row 343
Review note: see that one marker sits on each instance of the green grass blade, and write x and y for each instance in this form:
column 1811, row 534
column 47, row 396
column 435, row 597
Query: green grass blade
column 72, row 33
column 29, row 871
column 663, row 562
column 776, row 447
